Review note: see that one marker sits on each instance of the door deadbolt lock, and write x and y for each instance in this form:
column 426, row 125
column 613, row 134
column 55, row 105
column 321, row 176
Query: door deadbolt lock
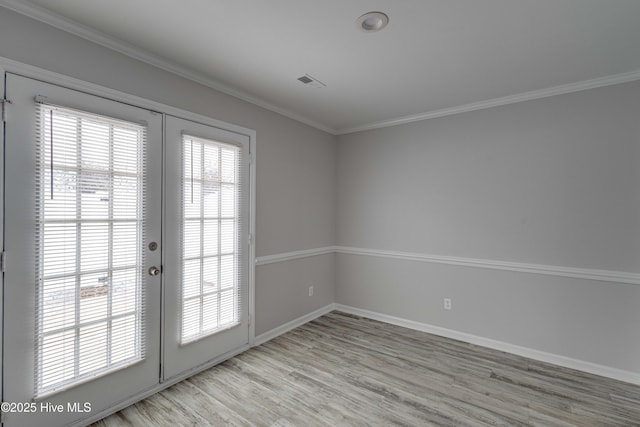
column 153, row 246
column 154, row 271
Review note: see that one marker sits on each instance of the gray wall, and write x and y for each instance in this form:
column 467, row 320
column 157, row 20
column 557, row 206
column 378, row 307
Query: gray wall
column 553, row 181
column 295, row 163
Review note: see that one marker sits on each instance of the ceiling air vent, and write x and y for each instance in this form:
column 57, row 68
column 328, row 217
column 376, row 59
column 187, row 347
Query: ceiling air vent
column 311, row 81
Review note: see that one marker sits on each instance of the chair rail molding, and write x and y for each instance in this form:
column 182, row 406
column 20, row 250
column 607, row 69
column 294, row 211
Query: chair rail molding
column 549, row 270
column 521, row 267
column 288, row 256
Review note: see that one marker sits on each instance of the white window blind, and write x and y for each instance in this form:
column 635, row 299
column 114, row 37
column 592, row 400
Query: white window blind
column 211, row 222
column 89, row 210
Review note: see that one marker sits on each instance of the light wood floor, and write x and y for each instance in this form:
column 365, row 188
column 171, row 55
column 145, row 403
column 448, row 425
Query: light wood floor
column 343, row 370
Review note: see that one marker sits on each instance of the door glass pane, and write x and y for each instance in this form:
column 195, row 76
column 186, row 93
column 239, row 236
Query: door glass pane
column 210, row 223
column 90, row 303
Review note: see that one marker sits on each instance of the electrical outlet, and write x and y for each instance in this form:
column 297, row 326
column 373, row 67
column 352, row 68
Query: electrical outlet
column 447, row 303
column 310, row 291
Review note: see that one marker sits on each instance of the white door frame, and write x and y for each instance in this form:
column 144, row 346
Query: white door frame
column 11, row 66
column 2, row 110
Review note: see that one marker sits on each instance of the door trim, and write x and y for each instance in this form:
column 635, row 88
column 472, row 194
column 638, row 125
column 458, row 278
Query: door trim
column 26, row 70
column 15, row 67
column 3, row 92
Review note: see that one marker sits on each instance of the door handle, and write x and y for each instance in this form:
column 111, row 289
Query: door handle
column 154, row 271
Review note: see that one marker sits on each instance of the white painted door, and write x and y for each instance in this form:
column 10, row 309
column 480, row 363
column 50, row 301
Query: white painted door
column 82, row 208
column 206, row 234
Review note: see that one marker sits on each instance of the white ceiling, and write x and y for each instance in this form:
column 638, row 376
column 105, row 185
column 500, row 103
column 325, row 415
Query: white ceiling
column 434, row 55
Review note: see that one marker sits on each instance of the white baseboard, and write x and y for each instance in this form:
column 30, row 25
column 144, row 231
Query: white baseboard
column 567, row 362
column 269, row 335
column 260, row 339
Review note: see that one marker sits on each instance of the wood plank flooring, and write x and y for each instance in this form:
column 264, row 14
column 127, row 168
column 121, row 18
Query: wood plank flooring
column 343, row 370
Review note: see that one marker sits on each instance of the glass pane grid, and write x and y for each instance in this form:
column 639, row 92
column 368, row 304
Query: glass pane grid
column 210, row 250
column 89, row 208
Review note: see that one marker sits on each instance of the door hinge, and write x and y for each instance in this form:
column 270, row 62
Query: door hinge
column 3, row 261
column 250, row 239
column 5, row 103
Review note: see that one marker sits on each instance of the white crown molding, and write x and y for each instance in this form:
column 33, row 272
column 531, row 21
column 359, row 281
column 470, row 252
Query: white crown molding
column 496, row 102
column 26, row 70
column 55, row 20
column 288, row 256
column 556, row 359
column 548, row 270
column 48, row 17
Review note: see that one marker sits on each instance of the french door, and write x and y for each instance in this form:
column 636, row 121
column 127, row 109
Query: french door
column 206, row 244
column 82, row 206
column 97, row 195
